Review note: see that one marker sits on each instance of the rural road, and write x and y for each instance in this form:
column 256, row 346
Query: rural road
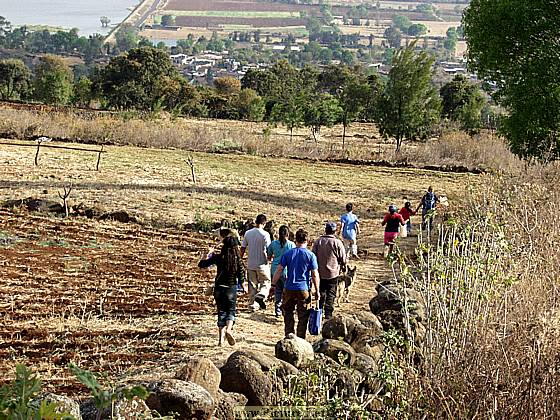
column 136, row 18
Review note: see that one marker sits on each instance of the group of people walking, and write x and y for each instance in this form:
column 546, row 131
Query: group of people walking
column 296, row 275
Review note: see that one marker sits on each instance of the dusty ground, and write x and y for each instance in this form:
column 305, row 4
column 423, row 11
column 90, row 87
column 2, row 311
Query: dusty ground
column 127, row 299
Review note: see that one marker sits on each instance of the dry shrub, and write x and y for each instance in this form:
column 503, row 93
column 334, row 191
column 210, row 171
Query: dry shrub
column 490, row 280
column 486, row 150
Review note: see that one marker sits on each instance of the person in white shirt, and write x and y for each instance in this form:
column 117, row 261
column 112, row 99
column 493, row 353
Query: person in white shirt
column 257, row 241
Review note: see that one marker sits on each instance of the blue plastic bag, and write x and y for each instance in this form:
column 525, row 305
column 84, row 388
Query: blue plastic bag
column 314, row 324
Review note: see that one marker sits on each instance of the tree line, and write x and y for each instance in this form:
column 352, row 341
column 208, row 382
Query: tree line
column 405, row 104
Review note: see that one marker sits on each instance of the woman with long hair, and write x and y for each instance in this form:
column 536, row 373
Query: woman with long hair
column 275, row 250
column 231, row 270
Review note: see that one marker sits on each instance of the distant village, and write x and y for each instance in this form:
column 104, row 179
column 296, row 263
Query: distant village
column 204, row 67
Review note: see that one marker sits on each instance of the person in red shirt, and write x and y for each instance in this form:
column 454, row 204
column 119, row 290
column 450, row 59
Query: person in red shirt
column 392, row 222
column 406, row 212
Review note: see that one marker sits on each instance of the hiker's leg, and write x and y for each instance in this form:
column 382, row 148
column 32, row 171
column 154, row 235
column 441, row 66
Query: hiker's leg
column 278, row 296
column 221, row 307
column 303, row 302
column 264, row 282
column 230, row 304
column 408, row 226
column 330, row 296
column 289, row 303
column 354, row 248
column 323, row 287
column 252, row 279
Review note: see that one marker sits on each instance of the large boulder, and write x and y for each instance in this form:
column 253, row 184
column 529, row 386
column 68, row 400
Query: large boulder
column 339, row 327
column 226, row 404
column 187, row 399
column 201, row 371
column 256, row 376
column 131, row 410
column 400, row 308
column 349, row 328
column 64, row 404
column 295, row 350
column 337, row 350
column 122, row 409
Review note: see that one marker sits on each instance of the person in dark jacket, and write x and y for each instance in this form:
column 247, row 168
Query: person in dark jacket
column 392, row 222
column 231, row 270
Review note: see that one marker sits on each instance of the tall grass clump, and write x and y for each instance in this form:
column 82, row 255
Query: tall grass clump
column 489, row 278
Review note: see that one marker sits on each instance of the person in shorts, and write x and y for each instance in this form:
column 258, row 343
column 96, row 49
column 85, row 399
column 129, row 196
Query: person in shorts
column 255, row 243
column 350, row 229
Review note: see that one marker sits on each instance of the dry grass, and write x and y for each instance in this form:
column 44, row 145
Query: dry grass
column 363, row 142
column 491, row 284
column 125, row 299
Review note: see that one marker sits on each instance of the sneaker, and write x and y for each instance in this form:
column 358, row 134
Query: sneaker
column 254, row 307
column 260, row 301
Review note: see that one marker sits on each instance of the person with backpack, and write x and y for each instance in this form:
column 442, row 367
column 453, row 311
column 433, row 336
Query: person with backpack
column 392, row 222
column 275, row 251
column 428, row 204
column 231, row 270
column 302, row 272
column 350, row 229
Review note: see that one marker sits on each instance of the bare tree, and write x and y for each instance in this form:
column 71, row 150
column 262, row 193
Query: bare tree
column 64, row 197
column 40, row 141
column 190, row 162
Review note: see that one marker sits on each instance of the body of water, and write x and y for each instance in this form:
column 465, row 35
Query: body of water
column 81, row 14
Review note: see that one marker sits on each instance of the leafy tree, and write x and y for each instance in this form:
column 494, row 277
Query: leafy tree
column 417, row 29
column 126, row 38
column 463, row 101
column 393, row 36
column 321, row 111
column 82, row 92
column 514, row 44
column 290, row 113
column 410, row 105
column 53, row 80
column 401, row 22
column 144, row 79
column 167, row 20
column 5, row 29
column 227, row 85
column 450, row 42
column 353, row 98
column 250, row 106
column 15, row 79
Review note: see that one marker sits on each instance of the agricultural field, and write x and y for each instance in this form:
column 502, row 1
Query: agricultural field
column 198, row 16
column 126, row 299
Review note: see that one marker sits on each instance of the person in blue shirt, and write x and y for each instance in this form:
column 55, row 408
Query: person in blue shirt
column 350, row 229
column 302, row 269
column 275, row 251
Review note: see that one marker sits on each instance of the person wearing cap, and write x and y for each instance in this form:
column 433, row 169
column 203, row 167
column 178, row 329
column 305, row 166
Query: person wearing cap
column 392, row 222
column 331, row 258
